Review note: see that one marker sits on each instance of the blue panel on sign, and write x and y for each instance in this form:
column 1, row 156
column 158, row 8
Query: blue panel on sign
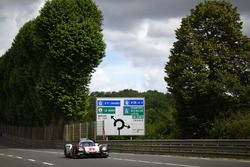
column 134, row 102
column 108, row 102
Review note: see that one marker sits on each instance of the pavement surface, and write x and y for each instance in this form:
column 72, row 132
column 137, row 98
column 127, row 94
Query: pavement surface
column 21, row 157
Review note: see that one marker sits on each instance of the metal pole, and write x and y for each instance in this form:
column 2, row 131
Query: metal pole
column 73, row 128
column 103, row 130
column 80, row 130
column 67, row 132
column 95, row 129
column 87, row 130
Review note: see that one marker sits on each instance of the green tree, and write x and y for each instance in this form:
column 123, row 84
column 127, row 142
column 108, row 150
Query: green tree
column 47, row 70
column 160, row 122
column 20, row 63
column 208, row 69
column 71, row 30
column 2, row 93
column 235, row 126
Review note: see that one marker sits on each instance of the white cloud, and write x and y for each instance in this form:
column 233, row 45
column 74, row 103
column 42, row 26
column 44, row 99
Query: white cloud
column 154, row 80
column 13, row 14
column 138, row 39
column 147, row 43
column 142, row 51
column 100, row 81
column 114, row 78
column 7, row 25
column 164, row 28
column 246, row 24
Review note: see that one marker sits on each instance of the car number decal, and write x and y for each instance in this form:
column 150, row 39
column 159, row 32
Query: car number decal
column 91, row 149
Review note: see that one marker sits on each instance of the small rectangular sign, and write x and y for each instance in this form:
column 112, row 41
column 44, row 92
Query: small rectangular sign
column 108, row 103
column 134, row 102
column 133, row 110
column 106, row 110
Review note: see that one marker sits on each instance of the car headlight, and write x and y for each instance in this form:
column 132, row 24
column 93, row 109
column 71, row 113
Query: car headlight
column 81, row 148
column 104, row 148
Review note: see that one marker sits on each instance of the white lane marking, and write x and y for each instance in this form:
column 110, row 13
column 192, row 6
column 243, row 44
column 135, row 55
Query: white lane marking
column 32, row 160
column 172, row 164
column 38, row 151
column 130, row 160
column 119, row 159
column 146, row 162
column 19, row 157
column 47, row 163
column 156, row 163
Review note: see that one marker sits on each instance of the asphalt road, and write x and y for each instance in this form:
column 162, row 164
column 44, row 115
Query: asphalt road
column 17, row 157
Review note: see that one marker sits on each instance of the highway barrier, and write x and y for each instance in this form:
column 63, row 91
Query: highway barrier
column 189, row 147
column 56, row 137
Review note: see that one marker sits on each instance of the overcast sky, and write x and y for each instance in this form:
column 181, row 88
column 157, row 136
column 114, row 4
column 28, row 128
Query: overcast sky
column 138, row 33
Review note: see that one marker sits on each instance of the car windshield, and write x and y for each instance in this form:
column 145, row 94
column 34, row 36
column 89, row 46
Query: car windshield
column 87, row 143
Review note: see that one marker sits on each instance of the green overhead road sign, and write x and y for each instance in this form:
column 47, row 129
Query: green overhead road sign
column 106, row 110
column 117, row 116
column 137, row 112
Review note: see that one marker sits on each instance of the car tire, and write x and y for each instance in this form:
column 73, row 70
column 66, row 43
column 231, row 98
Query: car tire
column 74, row 152
column 65, row 153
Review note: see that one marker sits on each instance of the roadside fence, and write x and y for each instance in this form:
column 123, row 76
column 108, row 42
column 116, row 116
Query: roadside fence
column 68, row 132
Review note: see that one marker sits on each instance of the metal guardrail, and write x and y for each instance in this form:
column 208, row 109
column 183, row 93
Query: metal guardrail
column 189, row 147
column 199, row 147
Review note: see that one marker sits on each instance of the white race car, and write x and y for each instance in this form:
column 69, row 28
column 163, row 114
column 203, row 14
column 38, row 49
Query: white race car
column 84, row 148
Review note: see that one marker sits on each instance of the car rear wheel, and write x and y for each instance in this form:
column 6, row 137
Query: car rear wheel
column 74, row 152
column 65, row 153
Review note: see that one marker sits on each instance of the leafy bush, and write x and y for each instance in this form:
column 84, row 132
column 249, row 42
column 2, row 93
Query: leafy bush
column 235, row 126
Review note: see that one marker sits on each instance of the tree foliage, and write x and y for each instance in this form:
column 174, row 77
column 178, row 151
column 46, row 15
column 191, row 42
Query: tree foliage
column 46, row 72
column 208, row 69
column 235, row 126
